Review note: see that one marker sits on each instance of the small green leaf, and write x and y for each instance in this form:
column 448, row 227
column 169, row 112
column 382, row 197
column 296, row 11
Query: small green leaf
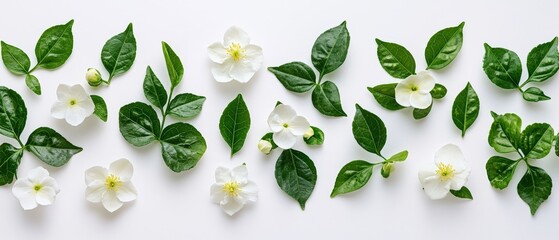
column 534, row 94
column 330, row 49
column 502, row 67
column 534, row 187
column 368, row 130
column 543, row 61
column 500, row 171
column 557, row 145
column 504, row 135
column 443, row 47
column 55, row 46
column 186, row 105
column 296, row 175
column 51, row 147
column 33, row 84
column 100, row 108
column 182, row 146
column 119, row 52
column 235, row 123
column 536, row 140
column 398, row 157
column 154, row 90
column 174, row 64
column 464, row 193
column 385, row 96
column 395, row 59
column 352, row 177
column 15, row 59
column 439, row 91
column 13, row 113
column 295, row 76
column 326, row 99
column 465, row 108
column 317, row 138
column 139, row 124
column 10, row 158
column 421, row 113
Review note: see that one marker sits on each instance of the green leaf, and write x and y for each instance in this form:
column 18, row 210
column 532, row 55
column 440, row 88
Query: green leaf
column 182, row 146
column 534, row 94
column 10, row 158
column 296, row 175
column 502, row 67
column 295, row 76
column 398, row 157
column 534, row 187
column 139, row 124
column 465, row 108
column 385, row 96
column 326, row 99
column 421, row 113
column 330, row 49
column 13, row 113
column 543, row 61
column 186, row 105
column 33, row 84
column 235, row 123
column 395, row 59
column 55, row 46
column 119, row 52
column 368, row 130
column 51, row 147
column 15, row 59
column 100, row 108
column 464, row 192
column 443, row 47
column 504, row 135
column 352, row 177
column 557, row 145
column 536, row 140
column 154, row 90
column 439, row 91
column 316, row 139
column 174, row 64
column 500, row 171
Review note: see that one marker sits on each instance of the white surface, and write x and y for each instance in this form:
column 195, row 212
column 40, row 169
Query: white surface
column 177, row 206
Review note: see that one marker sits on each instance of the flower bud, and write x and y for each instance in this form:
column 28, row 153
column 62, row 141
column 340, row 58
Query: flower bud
column 387, row 168
column 265, row 146
column 309, row 133
column 93, row 77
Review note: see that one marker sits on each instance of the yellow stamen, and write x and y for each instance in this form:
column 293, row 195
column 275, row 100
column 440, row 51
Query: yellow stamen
column 37, row 187
column 285, row 125
column 445, row 171
column 232, row 189
column 73, row 102
column 236, row 51
column 113, row 182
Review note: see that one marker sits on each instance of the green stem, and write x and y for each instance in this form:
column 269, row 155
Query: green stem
column 108, row 82
column 164, row 113
column 19, row 141
column 524, row 84
column 33, row 69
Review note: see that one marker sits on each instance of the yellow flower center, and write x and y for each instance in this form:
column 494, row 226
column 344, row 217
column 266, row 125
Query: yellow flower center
column 414, row 88
column 113, row 182
column 72, row 102
column 232, row 188
column 445, row 171
column 236, row 51
column 37, row 187
column 285, row 125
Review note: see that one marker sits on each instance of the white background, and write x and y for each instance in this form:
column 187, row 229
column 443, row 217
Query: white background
column 177, row 206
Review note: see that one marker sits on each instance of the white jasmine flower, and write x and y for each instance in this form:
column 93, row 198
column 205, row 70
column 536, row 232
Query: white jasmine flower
column 235, row 58
column 265, row 146
column 287, row 126
column 111, row 186
column 73, row 105
column 232, row 189
column 450, row 172
column 38, row 188
column 415, row 91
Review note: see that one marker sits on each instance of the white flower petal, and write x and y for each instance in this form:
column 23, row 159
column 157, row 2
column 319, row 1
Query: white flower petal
column 122, row 168
column 253, row 55
column 402, row 94
column 216, row 193
column 451, row 154
column 217, row 53
column 111, row 202
column 127, row 192
column 435, row 188
column 51, row 182
column 38, row 174
column 459, row 179
column 221, row 71
column 46, row 195
column 284, row 139
column 426, row 172
column 21, row 187
column 87, row 105
column 222, row 175
column 425, row 82
column 250, row 192
column 241, row 72
column 63, row 92
column 420, row 100
column 58, row 110
column 240, row 174
column 231, row 205
column 299, row 125
column 95, row 191
column 235, row 35
column 283, row 113
column 79, row 92
column 75, row 115
column 28, row 201
column 95, row 173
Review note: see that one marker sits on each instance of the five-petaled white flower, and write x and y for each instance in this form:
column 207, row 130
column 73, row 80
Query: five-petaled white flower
column 73, row 105
column 38, row 188
column 232, row 189
column 450, row 172
column 111, row 186
column 235, row 58
column 287, row 126
column 414, row 91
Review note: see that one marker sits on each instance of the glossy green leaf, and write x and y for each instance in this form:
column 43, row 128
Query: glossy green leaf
column 13, row 113
column 154, row 90
column 51, row 147
column 398, row 157
column 235, row 123
column 330, row 49
column 534, row 187
column 55, row 46
column 33, row 84
column 182, row 146
column 385, row 96
column 464, row 193
column 10, row 158
column 368, row 130
column 443, row 47
column 500, row 171
column 352, row 177
column 504, row 135
column 316, row 139
column 465, row 108
column 100, row 107
column 186, row 105
column 421, row 113
column 543, row 61
column 502, row 67
column 296, row 175
column 395, row 59
column 174, row 64
column 326, row 99
column 439, row 91
column 534, row 94
column 537, row 140
column 15, row 59
column 557, row 145
column 295, row 76
column 139, row 124
column 119, row 52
